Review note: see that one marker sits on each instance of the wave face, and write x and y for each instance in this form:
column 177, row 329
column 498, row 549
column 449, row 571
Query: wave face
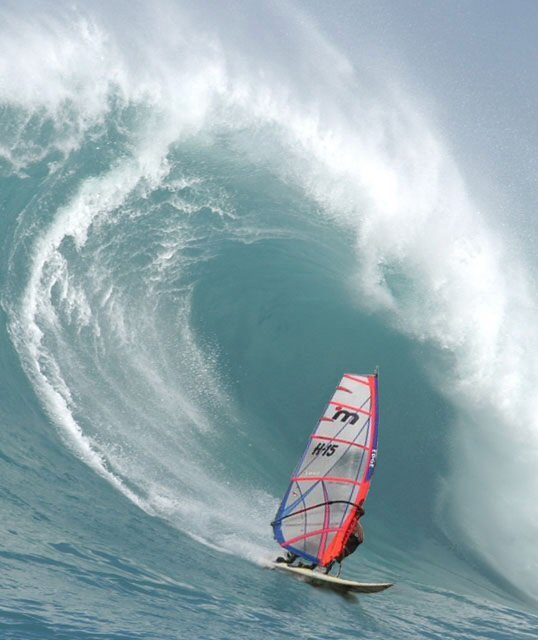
column 202, row 228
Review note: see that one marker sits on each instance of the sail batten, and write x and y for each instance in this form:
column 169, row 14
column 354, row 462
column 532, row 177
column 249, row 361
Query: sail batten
column 333, row 476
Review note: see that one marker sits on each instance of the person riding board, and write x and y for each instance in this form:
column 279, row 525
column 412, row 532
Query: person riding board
column 356, row 538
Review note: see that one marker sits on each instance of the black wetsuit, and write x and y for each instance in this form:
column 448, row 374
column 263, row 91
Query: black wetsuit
column 351, row 545
column 354, row 540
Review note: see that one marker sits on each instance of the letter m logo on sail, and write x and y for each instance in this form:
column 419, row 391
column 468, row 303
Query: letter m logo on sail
column 346, row 416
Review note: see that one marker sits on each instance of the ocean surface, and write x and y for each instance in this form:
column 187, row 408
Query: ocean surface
column 202, row 226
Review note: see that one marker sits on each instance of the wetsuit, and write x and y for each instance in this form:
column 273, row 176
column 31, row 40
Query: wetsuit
column 354, row 540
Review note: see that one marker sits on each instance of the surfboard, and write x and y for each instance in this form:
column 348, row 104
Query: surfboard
column 319, row 510
column 320, row 579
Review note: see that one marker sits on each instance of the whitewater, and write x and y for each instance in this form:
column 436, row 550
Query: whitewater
column 209, row 214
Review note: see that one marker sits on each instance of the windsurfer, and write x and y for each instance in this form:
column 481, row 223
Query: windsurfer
column 355, row 539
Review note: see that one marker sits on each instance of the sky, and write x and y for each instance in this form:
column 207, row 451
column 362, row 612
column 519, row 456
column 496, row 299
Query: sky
column 472, row 67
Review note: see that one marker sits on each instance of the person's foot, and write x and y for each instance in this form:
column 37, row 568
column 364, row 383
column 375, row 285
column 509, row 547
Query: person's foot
column 288, row 559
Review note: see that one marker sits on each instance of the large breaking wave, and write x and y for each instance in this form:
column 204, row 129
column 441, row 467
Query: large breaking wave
column 183, row 174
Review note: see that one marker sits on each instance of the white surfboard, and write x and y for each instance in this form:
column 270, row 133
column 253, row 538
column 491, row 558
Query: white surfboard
column 320, row 579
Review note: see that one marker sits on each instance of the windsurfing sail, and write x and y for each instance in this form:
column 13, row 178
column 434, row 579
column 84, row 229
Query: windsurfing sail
column 332, row 479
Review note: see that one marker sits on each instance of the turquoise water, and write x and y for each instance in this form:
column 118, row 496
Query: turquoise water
column 193, row 251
